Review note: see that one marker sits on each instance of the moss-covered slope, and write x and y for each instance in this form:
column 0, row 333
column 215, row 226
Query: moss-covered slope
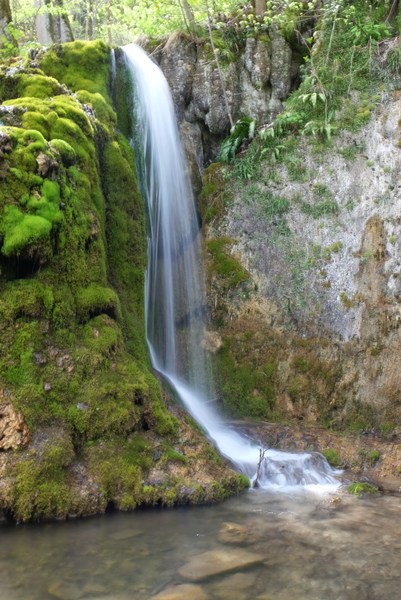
column 73, row 358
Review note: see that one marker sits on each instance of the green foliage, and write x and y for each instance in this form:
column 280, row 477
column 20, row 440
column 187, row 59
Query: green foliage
column 332, row 457
column 360, row 488
column 9, row 41
column 320, row 209
column 373, row 456
column 394, row 59
column 243, row 130
column 272, row 206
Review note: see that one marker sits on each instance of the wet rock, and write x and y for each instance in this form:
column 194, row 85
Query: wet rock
column 233, row 533
column 191, row 136
column 217, row 562
column 235, row 586
column 182, row 592
column 64, row 590
column 13, row 431
column 178, row 63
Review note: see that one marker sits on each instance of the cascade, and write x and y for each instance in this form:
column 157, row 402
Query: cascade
column 174, row 294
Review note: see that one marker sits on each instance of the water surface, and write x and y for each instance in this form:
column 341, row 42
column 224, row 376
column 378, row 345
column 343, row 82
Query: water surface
column 314, row 548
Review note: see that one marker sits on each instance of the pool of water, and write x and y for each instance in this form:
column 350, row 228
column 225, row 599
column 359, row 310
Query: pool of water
column 309, row 547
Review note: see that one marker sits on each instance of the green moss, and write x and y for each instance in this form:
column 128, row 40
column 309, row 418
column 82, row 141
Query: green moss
column 104, row 112
column 126, row 240
column 215, row 194
column 34, row 139
column 38, row 86
column 73, row 351
column 118, row 473
column 36, row 120
column 71, row 132
column 247, row 388
column 24, row 233
column 171, row 455
column 229, row 270
column 95, row 300
column 47, row 476
column 25, row 298
column 79, row 65
column 346, row 301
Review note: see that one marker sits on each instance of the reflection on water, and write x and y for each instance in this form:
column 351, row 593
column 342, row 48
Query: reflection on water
column 313, row 548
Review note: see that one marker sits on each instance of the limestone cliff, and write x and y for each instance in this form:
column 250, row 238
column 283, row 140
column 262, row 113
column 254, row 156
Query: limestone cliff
column 302, row 233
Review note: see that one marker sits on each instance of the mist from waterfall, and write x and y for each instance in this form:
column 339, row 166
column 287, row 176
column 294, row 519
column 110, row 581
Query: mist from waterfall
column 175, row 295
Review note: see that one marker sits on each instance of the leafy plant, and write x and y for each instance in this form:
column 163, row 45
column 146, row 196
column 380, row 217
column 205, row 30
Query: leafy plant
column 360, row 488
column 9, row 41
column 243, row 130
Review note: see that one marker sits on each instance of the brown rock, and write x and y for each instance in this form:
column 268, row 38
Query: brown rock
column 47, row 167
column 232, row 533
column 185, row 591
column 13, row 430
column 217, row 562
column 235, row 586
column 63, row 590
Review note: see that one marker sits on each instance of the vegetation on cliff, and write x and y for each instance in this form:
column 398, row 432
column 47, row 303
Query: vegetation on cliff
column 291, row 221
column 73, row 356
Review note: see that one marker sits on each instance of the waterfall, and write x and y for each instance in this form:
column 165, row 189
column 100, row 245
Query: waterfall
column 174, row 294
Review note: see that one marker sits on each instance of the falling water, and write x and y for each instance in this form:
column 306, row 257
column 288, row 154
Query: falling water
column 174, row 282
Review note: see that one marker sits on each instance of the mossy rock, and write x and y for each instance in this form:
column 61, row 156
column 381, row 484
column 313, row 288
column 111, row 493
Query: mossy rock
column 73, row 354
column 79, row 65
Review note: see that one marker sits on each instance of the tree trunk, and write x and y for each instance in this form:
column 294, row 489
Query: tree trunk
column 393, row 11
column 5, row 17
column 52, row 23
column 260, row 7
column 90, row 21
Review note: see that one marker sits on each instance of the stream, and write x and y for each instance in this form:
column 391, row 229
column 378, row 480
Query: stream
column 309, row 547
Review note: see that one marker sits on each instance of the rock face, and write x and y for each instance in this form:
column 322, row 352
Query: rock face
column 256, row 80
column 315, row 331
column 72, row 262
column 13, row 431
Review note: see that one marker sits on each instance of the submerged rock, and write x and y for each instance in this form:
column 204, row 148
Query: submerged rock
column 182, row 592
column 217, row 562
column 233, row 533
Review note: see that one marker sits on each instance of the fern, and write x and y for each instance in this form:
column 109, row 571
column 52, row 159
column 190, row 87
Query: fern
column 243, row 130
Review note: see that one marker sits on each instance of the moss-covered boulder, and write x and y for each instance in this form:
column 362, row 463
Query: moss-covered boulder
column 73, row 355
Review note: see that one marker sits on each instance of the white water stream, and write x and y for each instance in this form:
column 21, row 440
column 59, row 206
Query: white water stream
column 175, row 300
